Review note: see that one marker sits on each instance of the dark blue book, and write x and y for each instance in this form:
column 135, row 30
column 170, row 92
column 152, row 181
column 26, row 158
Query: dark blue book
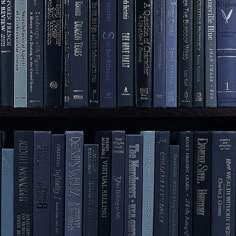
column 125, row 70
column 1, row 143
column 226, row 53
column 223, row 183
column 57, row 192
column 7, row 53
column 133, row 185
column 202, row 184
column 174, row 191
column 35, row 44
column 104, row 139
column 108, row 58
column 74, row 183
column 161, row 207
column 117, row 183
column 23, row 182
column 91, row 164
column 41, row 180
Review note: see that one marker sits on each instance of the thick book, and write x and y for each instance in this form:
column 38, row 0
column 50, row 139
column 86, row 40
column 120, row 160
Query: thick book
column 143, row 53
column 104, row 139
column 161, row 204
column 125, row 57
column 185, row 53
column 90, row 205
column 7, row 53
column 133, row 185
column 108, row 52
column 223, row 183
column 117, row 183
column 57, row 185
column 20, row 53
column 210, row 54
column 7, row 192
column 74, row 183
column 41, row 183
column 53, row 53
column 23, row 182
column 226, row 53
column 202, row 183
column 148, row 182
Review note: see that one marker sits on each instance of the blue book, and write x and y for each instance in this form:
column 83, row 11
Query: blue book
column 148, row 182
column 57, row 191
column 108, row 53
column 7, row 193
column 133, row 185
column 41, row 186
column 74, row 183
column 226, row 53
column 223, row 183
column 117, row 183
column 20, row 54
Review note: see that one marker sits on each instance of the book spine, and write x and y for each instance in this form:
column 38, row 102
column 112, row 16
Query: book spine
column 210, row 54
column 171, row 53
column 143, row 52
column 148, row 182
column 125, row 72
column 78, row 58
column 161, row 208
column 202, row 184
column 7, row 53
column 226, row 53
column 1, row 175
column 185, row 53
column 91, row 164
column 108, row 54
column 41, row 180
column 223, row 183
column 94, row 35
column 74, row 183
column 35, row 22
column 104, row 139
column 23, row 183
column 20, row 52
column 53, row 53
column 159, row 58
column 7, row 192
column 57, row 185
column 133, row 185
column 174, row 191
column 117, row 183
column 198, row 53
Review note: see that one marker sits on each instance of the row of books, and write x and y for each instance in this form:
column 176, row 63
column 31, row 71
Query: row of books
column 108, row 53
column 150, row 183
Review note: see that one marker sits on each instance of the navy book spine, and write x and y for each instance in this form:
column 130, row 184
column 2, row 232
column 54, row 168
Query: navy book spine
column 226, row 53
column 57, row 192
column 202, row 184
column 108, row 52
column 23, row 183
column 53, row 53
column 94, row 46
column 223, row 183
column 125, row 71
column 74, row 183
column 159, row 58
column 133, row 185
column 161, row 207
column 41, row 186
column 104, row 139
column 91, row 165
column 143, row 53
column 7, row 53
column 1, row 174
column 117, row 183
